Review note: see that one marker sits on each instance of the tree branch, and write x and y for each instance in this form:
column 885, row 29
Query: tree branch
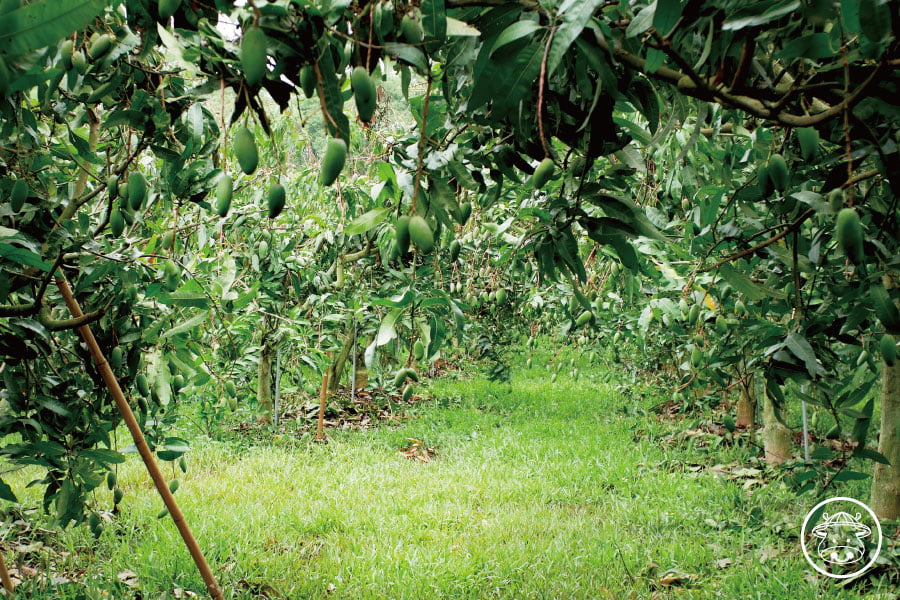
column 792, row 227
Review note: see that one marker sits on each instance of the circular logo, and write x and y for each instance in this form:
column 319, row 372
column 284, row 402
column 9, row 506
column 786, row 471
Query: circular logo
column 841, row 537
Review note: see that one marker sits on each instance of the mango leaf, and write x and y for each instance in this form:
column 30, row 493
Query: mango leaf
column 408, row 54
column 173, row 448
column 23, row 257
column 387, row 331
column 45, row 22
column 186, row 326
column 457, row 28
column 505, row 83
column 434, row 19
column 336, row 122
column 642, row 21
column 574, row 20
column 752, row 17
column 667, row 15
column 367, row 221
column 6, row 492
column 801, row 348
column 514, row 32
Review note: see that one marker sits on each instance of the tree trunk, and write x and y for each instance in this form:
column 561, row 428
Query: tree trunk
column 776, row 437
column 264, row 374
column 746, row 405
column 337, row 367
column 886, row 480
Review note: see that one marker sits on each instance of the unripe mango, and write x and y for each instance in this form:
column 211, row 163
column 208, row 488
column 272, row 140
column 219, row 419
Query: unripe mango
column 778, row 172
column 276, row 200
column 583, row 318
column 333, row 161
column 543, row 173
column 167, row 8
column 411, row 30
column 224, row 194
column 850, row 235
column 116, row 222
column 809, row 142
column 245, row 150
column 420, row 233
column 143, row 385
column 137, row 190
column 889, row 349
column 364, row 93
column 836, row 199
column 308, row 81
column 401, row 233
column 253, row 55
column 455, row 248
column 100, row 46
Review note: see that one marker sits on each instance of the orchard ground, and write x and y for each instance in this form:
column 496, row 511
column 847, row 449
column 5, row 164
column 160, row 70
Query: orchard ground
column 572, row 489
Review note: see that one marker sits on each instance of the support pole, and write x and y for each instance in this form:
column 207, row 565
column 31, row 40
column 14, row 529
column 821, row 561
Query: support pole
column 277, row 384
column 805, row 428
column 140, row 443
column 7, row 581
column 323, row 395
column 353, row 375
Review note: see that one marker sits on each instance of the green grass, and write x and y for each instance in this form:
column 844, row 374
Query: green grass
column 566, row 490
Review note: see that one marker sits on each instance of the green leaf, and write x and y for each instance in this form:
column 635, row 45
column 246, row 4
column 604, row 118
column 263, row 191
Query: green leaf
column 367, row 221
column 55, row 406
column 574, row 21
column 103, row 456
column 741, row 283
column 337, row 125
column 457, row 28
column 642, row 21
column 667, row 14
column 801, row 348
column 6, row 492
column 21, row 256
column 850, row 476
column 387, row 331
column 191, row 323
column 506, row 83
column 44, row 22
column 870, row 454
column 514, row 32
column 751, row 18
column 434, row 19
column 408, row 54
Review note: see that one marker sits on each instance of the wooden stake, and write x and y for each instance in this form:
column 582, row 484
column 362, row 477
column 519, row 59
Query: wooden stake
column 141, row 444
column 4, row 576
column 323, row 395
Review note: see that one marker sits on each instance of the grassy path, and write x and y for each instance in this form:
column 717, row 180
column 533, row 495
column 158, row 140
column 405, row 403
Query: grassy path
column 566, row 491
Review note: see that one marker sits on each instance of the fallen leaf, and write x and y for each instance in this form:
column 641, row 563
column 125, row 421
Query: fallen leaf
column 129, row 578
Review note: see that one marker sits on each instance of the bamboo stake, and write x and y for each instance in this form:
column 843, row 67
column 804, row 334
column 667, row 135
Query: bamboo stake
column 141, row 444
column 323, row 395
column 4, row 576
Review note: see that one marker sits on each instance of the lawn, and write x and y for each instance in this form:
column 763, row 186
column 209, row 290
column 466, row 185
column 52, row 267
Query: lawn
column 572, row 489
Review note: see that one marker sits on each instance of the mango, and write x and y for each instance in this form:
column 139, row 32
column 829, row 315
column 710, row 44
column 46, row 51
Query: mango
column 245, row 150
column 253, row 55
column 333, row 161
column 420, row 233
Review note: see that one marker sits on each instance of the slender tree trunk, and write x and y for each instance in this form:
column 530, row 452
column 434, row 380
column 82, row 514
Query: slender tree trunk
column 886, row 480
column 776, row 437
column 337, row 368
column 746, row 405
column 264, row 374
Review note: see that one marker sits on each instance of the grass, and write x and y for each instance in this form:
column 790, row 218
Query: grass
column 566, row 490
